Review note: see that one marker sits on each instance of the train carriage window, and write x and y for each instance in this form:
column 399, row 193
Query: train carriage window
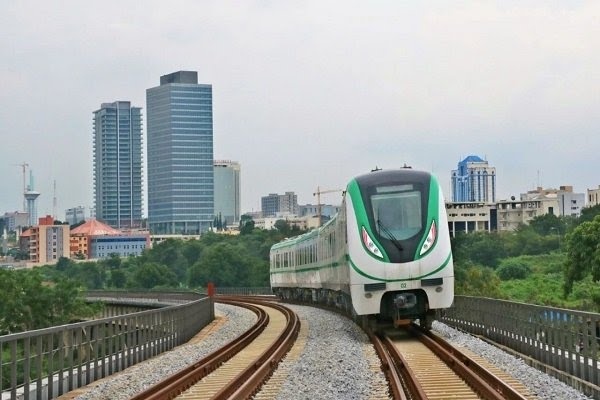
column 397, row 215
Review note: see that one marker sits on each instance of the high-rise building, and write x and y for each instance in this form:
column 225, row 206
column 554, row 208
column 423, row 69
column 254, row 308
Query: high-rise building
column 75, row 215
column 275, row 203
column 118, row 164
column 180, row 155
column 227, row 191
column 474, row 180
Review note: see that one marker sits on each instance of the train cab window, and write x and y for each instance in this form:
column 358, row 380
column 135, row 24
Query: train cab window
column 397, row 211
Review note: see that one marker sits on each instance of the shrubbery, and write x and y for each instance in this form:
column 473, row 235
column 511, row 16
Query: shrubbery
column 513, row 269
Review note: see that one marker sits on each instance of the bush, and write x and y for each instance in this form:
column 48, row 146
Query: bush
column 513, row 269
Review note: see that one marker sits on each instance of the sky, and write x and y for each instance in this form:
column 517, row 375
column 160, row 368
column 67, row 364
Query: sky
column 308, row 94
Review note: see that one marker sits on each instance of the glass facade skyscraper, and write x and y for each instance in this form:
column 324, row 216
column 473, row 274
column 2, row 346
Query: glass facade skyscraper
column 227, row 191
column 180, row 155
column 474, row 181
column 118, row 164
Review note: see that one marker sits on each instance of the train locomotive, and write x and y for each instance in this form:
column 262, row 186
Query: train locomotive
column 385, row 256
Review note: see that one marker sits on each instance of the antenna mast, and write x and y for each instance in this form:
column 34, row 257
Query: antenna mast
column 54, row 202
column 24, row 166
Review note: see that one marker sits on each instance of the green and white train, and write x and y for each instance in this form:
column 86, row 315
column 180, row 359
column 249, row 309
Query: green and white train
column 384, row 256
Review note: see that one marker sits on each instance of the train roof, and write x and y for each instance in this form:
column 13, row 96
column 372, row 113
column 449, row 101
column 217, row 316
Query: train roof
column 381, row 176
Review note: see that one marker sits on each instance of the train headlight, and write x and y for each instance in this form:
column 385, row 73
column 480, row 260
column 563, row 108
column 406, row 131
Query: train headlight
column 430, row 240
column 369, row 244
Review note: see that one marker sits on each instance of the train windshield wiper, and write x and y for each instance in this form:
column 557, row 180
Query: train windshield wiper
column 390, row 235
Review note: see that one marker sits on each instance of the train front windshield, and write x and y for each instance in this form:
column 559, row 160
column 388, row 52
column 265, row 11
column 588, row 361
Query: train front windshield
column 397, row 211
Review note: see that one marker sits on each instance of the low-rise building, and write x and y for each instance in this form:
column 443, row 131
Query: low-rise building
column 512, row 213
column 327, row 210
column 304, row 223
column 468, row 217
column 593, row 197
column 157, row 239
column 48, row 242
column 95, row 240
column 569, row 202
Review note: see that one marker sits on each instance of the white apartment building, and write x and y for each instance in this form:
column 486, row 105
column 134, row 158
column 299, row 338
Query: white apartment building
column 468, row 217
column 593, row 197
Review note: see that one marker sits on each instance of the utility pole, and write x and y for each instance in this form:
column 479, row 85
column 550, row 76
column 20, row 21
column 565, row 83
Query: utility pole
column 318, row 193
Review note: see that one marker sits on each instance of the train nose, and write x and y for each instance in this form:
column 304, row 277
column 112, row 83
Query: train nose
column 405, row 300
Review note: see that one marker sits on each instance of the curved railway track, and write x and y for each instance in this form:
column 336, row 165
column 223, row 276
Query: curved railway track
column 238, row 369
column 421, row 365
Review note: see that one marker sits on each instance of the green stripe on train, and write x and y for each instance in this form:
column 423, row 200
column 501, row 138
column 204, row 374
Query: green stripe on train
column 361, row 272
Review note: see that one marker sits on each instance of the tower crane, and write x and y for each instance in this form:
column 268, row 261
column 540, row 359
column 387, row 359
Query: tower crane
column 24, row 166
column 318, row 193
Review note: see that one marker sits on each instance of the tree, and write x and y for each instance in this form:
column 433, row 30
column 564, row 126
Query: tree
column 548, row 224
column 583, row 253
column 589, row 213
column 479, row 248
column 151, row 275
column 118, row 279
column 282, row 226
column 28, row 302
column 475, row 280
column 63, row 264
column 512, row 268
column 246, row 224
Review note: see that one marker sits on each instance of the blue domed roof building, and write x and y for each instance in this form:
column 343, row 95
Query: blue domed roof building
column 474, row 181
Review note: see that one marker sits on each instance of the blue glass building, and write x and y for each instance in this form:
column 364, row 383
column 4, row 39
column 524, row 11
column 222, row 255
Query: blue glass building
column 227, row 191
column 180, row 155
column 474, row 181
column 118, row 164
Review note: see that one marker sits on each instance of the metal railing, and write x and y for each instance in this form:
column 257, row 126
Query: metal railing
column 559, row 340
column 47, row 363
column 244, row 291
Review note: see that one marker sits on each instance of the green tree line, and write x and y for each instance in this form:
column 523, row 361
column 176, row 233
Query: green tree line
column 226, row 260
column 28, row 301
column 552, row 261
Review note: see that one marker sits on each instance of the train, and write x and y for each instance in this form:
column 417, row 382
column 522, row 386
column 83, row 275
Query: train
column 385, row 257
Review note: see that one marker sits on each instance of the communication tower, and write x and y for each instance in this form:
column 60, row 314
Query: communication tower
column 30, row 198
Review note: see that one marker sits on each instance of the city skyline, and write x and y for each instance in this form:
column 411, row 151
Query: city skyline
column 310, row 95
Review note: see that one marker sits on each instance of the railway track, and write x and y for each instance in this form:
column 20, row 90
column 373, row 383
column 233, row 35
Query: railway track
column 238, row 369
column 421, row 365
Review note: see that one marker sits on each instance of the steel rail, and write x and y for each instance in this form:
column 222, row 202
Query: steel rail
column 249, row 381
column 410, row 379
column 506, row 391
column 486, row 384
column 388, row 366
column 180, row 381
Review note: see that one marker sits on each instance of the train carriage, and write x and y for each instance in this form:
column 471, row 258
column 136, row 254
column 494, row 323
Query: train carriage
column 386, row 254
